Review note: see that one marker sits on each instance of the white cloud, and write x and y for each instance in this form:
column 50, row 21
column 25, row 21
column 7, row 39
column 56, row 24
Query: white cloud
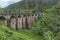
column 4, row 3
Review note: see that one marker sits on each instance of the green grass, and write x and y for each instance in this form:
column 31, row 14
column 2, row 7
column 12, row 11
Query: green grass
column 9, row 34
column 30, row 36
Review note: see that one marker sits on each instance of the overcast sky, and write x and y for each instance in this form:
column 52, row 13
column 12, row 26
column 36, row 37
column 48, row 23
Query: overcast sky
column 4, row 3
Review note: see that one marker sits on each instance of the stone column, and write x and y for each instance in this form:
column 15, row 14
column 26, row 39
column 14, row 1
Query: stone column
column 13, row 23
column 29, row 22
column 5, row 22
column 24, row 22
column 19, row 21
column 36, row 17
column 33, row 18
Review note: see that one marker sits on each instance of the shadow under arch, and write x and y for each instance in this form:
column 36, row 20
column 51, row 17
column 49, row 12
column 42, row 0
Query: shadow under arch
column 3, row 20
column 12, row 17
column 19, row 15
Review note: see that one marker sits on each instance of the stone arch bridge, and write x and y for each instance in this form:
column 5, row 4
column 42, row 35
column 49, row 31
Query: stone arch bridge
column 19, row 21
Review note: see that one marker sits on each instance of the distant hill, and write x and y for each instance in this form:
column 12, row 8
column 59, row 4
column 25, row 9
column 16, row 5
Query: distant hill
column 32, row 3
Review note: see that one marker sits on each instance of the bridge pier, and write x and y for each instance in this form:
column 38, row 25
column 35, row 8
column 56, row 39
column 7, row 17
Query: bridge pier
column 29, row 22
column 19, row 22
column 24, row 22
column 13, row 23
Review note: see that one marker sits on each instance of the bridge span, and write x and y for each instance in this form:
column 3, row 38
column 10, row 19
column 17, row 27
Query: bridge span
column 19, row 21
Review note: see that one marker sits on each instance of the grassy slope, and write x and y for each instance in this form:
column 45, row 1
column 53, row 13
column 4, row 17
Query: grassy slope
column 8, row 34
column 30, row 36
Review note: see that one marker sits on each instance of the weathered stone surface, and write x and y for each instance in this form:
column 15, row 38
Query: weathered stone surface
column 7, row 16
column 33, row 18
column 13, row 23
column 19, row 25
column 3, row 22
column 24, row 22
column 17, row 22
column 36, row 16
column 29, row 22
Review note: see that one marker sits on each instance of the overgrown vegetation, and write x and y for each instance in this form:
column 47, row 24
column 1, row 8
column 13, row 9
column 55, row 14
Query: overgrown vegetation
column 46, row 28
column 49, row 25
column 9, row 34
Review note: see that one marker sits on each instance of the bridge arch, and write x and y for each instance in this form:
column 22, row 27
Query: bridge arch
column 3, row 20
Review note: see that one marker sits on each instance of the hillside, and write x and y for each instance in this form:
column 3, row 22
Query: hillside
column 32, row 3
column 50, row 24
column 40, row 5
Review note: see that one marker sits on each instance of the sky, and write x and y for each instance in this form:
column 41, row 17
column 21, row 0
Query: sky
column 4, row 3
